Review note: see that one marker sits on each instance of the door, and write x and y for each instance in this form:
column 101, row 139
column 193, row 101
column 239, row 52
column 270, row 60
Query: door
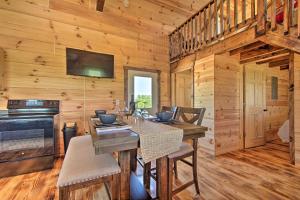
column 255, row 104
column 143, row 87
column 182, row 85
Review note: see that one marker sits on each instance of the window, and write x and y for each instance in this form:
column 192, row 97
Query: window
column 143, row 91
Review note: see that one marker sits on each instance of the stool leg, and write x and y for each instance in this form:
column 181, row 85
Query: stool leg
column 146, row 176
column 175, row 169
column 115, row 187
column 170, row 177
column 64, row 193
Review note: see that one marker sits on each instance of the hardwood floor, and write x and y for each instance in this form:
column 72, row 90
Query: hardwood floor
column 257, row 173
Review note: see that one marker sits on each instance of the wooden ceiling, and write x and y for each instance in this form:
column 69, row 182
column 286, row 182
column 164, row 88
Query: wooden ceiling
column 262, row 53
column 166, row 14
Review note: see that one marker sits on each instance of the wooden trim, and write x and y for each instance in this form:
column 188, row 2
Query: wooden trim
column 127, row 68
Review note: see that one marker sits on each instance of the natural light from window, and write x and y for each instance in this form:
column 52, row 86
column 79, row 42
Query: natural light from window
column 143, row 91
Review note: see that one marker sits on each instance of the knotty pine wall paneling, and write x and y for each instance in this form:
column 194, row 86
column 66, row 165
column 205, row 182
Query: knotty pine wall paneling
column 204, row 90
column 34, row 36
column 278, row 109
column 297, row 108
column 228, row 104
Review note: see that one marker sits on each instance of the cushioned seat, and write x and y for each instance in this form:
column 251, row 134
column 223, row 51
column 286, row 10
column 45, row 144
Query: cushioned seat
column 184, row 149
column 82, row 165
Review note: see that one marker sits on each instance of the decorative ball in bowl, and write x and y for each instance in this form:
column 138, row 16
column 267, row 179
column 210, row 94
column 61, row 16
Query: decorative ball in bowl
column 100, row 112
column 107, row 118
column 165, row 116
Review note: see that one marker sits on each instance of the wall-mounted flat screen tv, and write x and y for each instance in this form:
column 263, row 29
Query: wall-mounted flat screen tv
column 86, row 63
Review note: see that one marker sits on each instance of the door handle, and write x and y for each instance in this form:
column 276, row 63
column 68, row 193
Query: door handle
column 265, row 110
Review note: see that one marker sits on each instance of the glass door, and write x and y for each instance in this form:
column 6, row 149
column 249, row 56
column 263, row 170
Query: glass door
column 143, row 88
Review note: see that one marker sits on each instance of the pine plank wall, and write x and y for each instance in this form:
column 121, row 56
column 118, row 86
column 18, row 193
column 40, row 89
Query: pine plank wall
column 34, row 36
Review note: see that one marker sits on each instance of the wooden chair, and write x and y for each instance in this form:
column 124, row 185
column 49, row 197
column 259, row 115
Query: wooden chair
column 148, row 170
column 194, row 116
column 82, row 168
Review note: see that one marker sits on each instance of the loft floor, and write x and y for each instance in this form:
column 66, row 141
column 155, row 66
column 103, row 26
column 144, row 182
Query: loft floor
column 257, row 173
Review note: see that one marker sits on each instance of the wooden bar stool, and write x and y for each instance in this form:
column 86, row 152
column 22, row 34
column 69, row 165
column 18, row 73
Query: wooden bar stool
column 82, row 168
column 189, row 115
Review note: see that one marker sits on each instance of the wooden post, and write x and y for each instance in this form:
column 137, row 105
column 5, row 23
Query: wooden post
column 209, row 23
column 162, row 178
column 261, row 16
column 124, row 162
column 291, row 109
column 200, row 29
column 205, row 26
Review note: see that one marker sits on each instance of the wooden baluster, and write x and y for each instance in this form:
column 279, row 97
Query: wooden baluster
column 286, row 20
column 244, row 10
column 228, row 16
column 261, row 16
column 298, row 21
column 196, row 43
column 205, row 26
column 235, row 15
column 192, row 34
column 209, row 22
column 200, row 29
column 184, row 38
column 215, row 19
column 252, row 9
column 221, row 17
column 273, row 15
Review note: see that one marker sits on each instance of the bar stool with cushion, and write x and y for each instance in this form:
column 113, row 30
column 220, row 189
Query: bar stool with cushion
column 150, row 171
column 82, row 168
column 189, row 115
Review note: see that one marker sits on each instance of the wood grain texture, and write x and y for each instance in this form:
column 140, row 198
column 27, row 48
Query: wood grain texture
column 2, row 74
column 297, row 108
column 34, row 37
column 228, row 98
column 258, row 173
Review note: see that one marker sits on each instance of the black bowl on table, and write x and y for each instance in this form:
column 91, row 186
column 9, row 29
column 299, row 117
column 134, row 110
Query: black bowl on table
column 165, row 116
column 107, row 118
column 100, row 112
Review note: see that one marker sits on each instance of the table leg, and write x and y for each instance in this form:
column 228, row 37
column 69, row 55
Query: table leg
column 133, row 159
column 124, row 162
column 162, row 178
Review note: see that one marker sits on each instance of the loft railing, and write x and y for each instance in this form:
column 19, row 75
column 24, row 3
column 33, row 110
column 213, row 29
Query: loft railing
column 223, row 17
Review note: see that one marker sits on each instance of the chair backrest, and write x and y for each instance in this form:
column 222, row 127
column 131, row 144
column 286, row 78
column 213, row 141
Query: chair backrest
column 191, row 115
column 173, row 109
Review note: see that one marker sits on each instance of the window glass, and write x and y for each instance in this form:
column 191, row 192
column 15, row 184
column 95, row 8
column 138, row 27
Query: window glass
column 143, row 91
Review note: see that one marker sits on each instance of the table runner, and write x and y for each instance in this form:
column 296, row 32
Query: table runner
column 156, row 139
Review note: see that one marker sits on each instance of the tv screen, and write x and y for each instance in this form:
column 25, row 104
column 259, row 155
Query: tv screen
column 85, row 63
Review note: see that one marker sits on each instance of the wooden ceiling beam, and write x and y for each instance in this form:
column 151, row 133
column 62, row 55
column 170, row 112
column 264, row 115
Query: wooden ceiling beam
column 283, row 57
column 267, row 56
column 265, row 50
column 100, row 5
column 247, row 48
column 279, row 63
column 284, row 67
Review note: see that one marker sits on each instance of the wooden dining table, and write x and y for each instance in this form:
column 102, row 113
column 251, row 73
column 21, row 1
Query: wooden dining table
column 126, row 142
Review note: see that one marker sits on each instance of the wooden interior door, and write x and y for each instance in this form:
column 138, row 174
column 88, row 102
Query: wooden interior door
column 183, row 89
column 255, row 104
